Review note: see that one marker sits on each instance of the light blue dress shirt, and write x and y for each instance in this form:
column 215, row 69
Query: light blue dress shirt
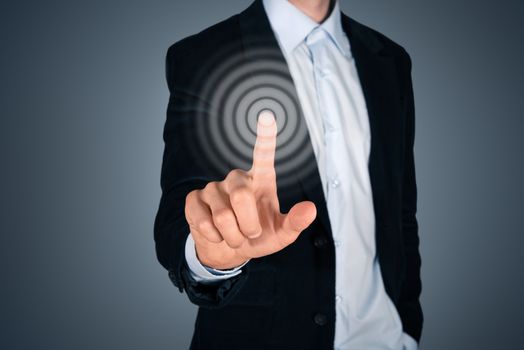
column 322, row 67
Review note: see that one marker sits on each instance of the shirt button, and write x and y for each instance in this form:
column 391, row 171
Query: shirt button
column 338, row 298
column 320, row 241
column 335, row 183
column 320, row 319
column 337, row 243
column 322, row 72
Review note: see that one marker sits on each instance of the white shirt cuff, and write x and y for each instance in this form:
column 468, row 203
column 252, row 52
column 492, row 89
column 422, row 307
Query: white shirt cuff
column 202, row 273
column 409, row 342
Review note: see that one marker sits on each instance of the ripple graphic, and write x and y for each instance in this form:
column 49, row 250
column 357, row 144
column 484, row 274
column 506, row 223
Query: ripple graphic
column 236, row 90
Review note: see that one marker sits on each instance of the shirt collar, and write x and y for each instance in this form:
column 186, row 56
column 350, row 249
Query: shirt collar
column 291, row 26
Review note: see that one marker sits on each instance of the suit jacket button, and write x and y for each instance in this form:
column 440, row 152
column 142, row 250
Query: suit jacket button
column 320, row 241
column 320, row 319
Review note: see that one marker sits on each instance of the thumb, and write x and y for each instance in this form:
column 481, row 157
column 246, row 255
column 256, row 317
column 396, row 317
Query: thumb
column 299, row 217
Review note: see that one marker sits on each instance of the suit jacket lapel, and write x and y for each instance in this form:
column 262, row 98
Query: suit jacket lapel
column 378, row 79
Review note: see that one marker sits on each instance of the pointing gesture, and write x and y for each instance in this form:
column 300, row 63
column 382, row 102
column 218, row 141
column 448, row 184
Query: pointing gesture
column 239, row 218
column 263, row 169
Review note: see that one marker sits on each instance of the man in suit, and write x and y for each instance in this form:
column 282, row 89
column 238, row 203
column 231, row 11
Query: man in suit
column 325, row 258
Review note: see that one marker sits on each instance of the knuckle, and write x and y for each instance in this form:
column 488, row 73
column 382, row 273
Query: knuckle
column 285, row 239
column 191, row 196
column 235, row 242
column 240, row 194
column 235, row 173
column 204, row 226
column 211, row 186
column 190, row 199
column 214, row 238
column 223, row 216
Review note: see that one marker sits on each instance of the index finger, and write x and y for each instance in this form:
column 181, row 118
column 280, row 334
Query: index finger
column 265, row 145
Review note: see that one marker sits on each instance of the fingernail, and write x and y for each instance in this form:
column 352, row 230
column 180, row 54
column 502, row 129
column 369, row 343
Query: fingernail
column 266, row 118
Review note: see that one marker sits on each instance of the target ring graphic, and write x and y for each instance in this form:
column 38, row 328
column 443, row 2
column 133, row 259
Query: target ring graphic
column 236, row 90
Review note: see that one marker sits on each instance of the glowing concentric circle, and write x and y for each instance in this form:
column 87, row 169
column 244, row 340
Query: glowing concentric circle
column 235, row 89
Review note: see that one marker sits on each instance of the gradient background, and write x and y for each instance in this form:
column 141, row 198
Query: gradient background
column 83, row 100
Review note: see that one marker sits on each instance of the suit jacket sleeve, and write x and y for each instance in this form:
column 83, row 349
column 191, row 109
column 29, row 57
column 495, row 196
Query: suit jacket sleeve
column 180, row 174
column 409, row 303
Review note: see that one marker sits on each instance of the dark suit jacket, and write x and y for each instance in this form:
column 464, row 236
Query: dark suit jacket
column 287, row 300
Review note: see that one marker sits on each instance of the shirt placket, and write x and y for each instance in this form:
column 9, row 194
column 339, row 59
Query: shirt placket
column 333, row 140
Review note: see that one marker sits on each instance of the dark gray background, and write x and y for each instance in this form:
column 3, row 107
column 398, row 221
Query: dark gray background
column 83, row 101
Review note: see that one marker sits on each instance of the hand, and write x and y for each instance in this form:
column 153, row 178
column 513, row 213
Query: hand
column 239, row 218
